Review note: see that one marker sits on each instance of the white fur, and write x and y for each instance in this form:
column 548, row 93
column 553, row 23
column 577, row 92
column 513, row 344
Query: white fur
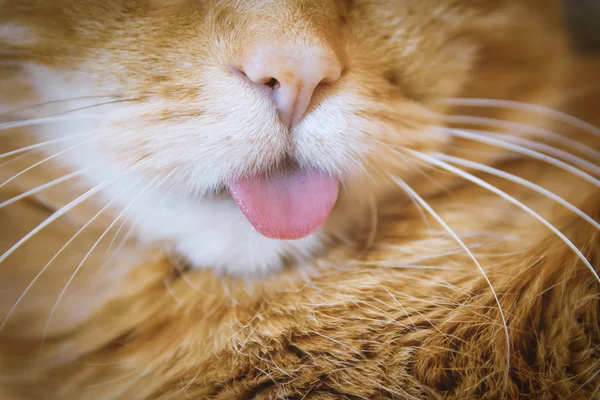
column 207, row 232
column 16, row 35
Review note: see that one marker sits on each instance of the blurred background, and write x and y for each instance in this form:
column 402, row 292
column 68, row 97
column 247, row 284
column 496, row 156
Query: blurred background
column 583, row 17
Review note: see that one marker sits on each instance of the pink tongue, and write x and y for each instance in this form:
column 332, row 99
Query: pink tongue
column 289, row 206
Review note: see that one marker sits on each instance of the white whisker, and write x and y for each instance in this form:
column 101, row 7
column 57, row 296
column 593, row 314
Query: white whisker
column 114, row 238
column 520, row 181
column 45, row 186
column 507, row 197
column 406, row 266
column 121, row 243
column 130, row 230
column 35, row 146
column 46, row 103
column 524, row 129
column 462, row 244
column 593, row 396
column 541, row 147
column 590, row 380
column 91, row 250
column 40, row 121
column 123, row 224
column 520, row 106
column 45, row 160
column 58, row 117
column 55, row 256
column 17, row 158
column 170, row 291
column 59, row 213
column 374, row 222
column 472, row 135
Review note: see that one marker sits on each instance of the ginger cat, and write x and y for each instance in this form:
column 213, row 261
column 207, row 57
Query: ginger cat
column 299, row 199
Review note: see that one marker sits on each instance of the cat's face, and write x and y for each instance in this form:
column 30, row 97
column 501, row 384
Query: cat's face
column 219, row 96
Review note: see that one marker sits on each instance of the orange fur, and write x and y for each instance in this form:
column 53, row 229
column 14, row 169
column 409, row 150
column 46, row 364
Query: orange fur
column 353, row 322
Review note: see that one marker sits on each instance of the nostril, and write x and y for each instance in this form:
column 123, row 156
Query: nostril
column 291, row 76
column 270, row 82
column 273, row 83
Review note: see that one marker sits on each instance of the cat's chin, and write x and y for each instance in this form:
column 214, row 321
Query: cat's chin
column 213, row 233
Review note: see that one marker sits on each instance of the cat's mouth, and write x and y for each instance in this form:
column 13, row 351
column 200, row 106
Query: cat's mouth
column 287, row 205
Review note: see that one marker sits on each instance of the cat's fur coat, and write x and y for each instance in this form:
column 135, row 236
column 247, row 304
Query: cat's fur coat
column 408, row 316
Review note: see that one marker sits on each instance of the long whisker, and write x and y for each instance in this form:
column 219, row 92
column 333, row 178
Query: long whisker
column 56, row 255
column 41, row 121
column 462, row 244
column 506, row 196
column 60, row 212
column 130, row 230
column 91, row 250
column 540, row 147
column 374, row 222
column 590, row 380
column 17, row 158
column 45, row 186
column 523, row 128
column 114, row 238
column 123, row 213
column 126, row 237
column 49, row 118
column 35, row 146
column 46, row 160
column 39, row 105
column 531, row 153
column 520, row 181
column 520, row 106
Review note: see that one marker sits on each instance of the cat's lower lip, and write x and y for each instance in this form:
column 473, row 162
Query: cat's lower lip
column 289, row 206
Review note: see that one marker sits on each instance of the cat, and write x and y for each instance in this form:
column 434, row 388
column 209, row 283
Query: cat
column 297, row 199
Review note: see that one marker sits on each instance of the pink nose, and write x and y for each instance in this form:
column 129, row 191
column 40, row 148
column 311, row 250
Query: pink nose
column 292, row 76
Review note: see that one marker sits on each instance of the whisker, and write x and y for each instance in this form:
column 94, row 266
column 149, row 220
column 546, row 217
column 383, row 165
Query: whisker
column 42, row 120
column 110, row 245
column 522, row 150
column 17, row 158
column 520, row 106
column 520, row 181
column 506, row 196
column 401, row 307
column 123, row 224
column 590, row 380
column 45, row 186
column 170, row 291
column 60, row 212
column 57, row 116
column 46, row 103
column 593, row 396
column 18, row 174
column 56, row 255
column 35, row 146
column 121, row 243
column 416, row 267
column 129, row 231
column 541, row 147
column 523, row 128
column 411, row 163
column 462, row 244
column 374, row 222
column 91, row 250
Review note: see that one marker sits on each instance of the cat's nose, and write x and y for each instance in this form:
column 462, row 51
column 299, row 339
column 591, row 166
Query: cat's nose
column 292, row 75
